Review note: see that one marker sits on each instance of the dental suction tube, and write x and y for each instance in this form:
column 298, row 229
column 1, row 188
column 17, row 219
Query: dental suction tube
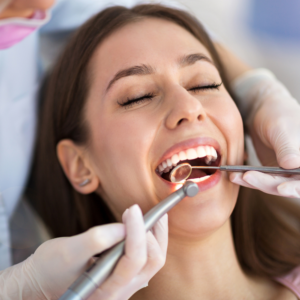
column 95, row 275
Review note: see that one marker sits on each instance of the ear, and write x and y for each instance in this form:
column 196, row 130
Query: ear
column 77, row 167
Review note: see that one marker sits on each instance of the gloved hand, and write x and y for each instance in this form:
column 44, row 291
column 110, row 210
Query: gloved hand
column 57, row 263
column 272, row 117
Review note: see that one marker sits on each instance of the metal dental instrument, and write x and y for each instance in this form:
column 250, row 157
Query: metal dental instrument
column 183, row 171
column 95, row 275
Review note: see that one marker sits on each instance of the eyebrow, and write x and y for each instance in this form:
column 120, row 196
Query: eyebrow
column 187, row 60
column 183, row 61
column 136, row 70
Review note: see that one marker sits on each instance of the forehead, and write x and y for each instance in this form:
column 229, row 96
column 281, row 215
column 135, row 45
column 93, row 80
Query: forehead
column 149, row 41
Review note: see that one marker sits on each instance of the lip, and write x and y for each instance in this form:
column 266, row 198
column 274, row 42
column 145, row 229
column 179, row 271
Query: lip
column 210, row 182
column 191, row 143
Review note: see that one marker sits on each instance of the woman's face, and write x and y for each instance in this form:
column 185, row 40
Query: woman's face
column 154, row 94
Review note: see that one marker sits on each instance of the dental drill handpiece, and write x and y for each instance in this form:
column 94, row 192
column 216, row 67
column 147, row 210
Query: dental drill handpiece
column 95, row 275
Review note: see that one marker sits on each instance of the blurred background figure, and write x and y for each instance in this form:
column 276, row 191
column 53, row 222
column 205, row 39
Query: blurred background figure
column 276, row 27
column 264, row 33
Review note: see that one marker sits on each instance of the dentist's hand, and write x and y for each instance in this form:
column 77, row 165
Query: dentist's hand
column 57, row 263
column 270, row 184
column 274, row 125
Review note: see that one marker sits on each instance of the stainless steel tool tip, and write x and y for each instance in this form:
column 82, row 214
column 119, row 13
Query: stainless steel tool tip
column 191, row 188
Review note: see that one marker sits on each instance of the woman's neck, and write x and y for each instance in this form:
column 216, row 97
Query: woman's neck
column 206, row 268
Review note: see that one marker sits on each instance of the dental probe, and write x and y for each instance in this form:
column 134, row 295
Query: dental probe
column 184, row 170
column 273, row 170
column 95, row 275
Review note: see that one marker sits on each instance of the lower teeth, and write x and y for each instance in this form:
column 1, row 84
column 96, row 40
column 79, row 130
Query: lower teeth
column 199, row 179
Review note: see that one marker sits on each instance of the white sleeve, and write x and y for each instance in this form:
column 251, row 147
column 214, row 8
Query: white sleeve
column 67, row 15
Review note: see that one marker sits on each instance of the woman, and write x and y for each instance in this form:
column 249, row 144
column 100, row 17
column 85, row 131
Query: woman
column 136, row 91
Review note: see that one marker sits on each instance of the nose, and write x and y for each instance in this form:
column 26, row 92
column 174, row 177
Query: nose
column 184, row 107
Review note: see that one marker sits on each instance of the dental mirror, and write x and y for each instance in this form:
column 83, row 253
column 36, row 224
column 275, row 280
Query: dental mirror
column 181, row 173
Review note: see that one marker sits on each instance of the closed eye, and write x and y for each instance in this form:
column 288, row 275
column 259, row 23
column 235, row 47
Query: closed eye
column 205, row 87
column 148, row 97
column 131, row 102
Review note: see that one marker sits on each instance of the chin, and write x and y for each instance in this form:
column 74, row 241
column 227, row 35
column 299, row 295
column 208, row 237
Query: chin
column 204, row 214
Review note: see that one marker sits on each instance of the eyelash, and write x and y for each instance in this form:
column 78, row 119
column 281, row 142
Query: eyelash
column 131, row 102
column 149, row 96
column 206, row 87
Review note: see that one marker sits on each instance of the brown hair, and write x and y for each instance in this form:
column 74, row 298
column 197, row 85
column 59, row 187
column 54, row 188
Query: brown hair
column 266, row 242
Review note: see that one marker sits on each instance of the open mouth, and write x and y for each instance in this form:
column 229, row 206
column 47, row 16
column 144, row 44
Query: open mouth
column 200, row 156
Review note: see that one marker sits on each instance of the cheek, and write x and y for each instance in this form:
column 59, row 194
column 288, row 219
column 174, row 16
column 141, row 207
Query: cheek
column 119, row 152
column 115, row 151
column 227, row 118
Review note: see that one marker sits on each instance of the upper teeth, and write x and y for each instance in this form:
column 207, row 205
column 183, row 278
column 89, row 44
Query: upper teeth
column 192, row 153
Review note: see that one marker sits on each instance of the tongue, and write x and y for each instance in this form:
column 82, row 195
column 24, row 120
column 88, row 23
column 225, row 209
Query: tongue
column 197, row 173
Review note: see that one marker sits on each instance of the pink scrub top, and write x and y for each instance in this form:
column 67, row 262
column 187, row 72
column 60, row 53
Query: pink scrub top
column 291, row 281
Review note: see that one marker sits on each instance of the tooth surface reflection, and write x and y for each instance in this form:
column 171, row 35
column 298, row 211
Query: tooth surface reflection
column 201, row 151
column 208, row 150
column 175, row 159
column 214, row 154
column 191, row 154
column 182, row 155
